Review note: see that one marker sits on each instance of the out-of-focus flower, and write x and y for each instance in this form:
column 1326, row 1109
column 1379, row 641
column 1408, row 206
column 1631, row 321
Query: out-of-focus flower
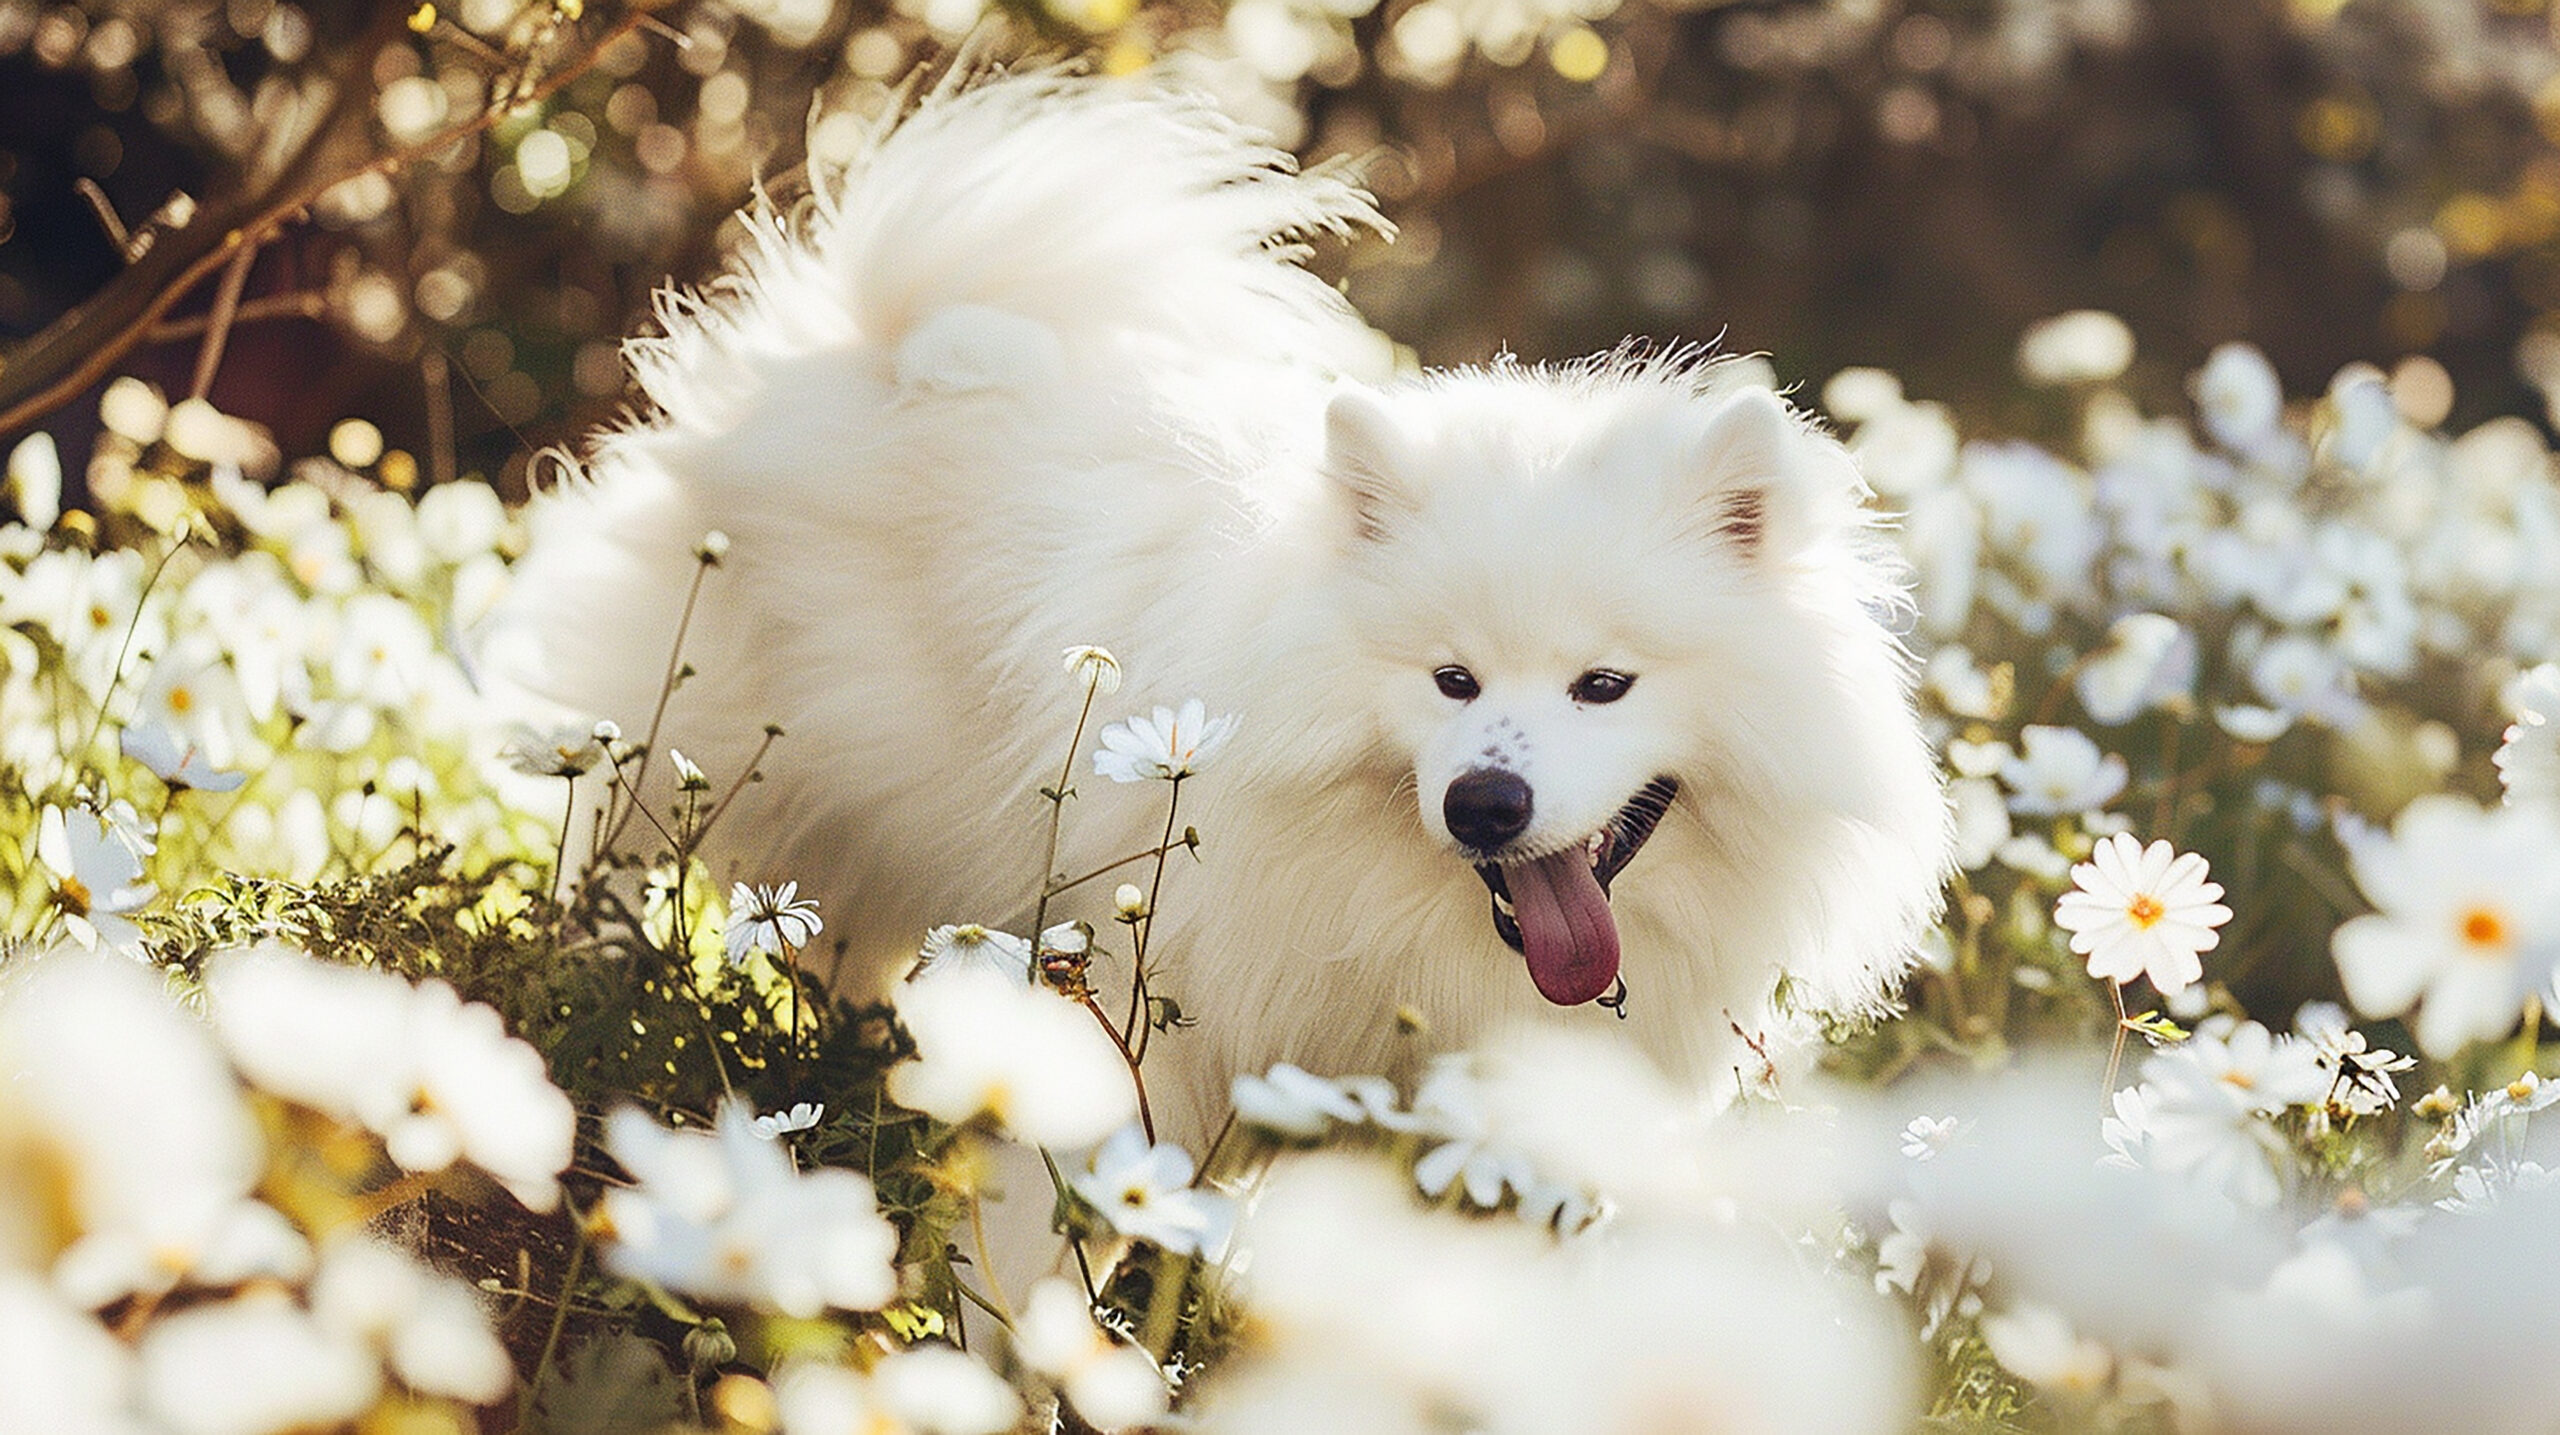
column 1292, row 1102
column 160, row 1195
column 2363, row 417
column 1375, row 1315
column 1109, row 1384
column 1003, row 1047
column 927, row 1389
column 437, row 1078
column 1144, row 1191
column 566, row 750
column 773, row 920
column 254, row 1365
column 2037, row 1344
column 1982, row 823
column 1926, row 1136
column 97, row 880
column 2147, row 660
column 2204, row 1109
column 174, row 760
column 2239, row 397
column 1449, row 1107
column 2138, row 911
column 1857, row 395
column 2059, row 771
column 969, row 947
column 59, row 1369
column 2469, row 919
column 802, row 1116
column 429, row 1327
column 1168, row 745
column 1094, row 669
column 2529, row 759
column 2083, row 346
column 724, row 1217
column 35, row 481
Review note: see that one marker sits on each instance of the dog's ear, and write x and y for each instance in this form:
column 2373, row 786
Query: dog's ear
column 1759, row 482
column 1365, row 455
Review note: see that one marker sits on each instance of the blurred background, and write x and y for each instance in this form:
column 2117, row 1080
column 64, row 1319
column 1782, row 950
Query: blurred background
column 1902, row 183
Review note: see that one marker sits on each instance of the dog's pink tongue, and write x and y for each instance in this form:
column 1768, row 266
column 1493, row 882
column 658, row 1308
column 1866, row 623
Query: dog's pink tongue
column 1565, row 927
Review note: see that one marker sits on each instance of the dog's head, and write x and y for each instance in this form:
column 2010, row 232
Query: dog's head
column 1593, row 602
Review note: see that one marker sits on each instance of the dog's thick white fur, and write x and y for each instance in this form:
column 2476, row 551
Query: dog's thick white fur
column 1044, row 370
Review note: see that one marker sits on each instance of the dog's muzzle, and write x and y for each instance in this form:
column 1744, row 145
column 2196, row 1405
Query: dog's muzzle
column 1554, row 910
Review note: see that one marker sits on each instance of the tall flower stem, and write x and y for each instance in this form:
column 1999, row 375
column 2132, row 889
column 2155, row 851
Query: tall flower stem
column 1146, row 1117
column 704, row 562
column 1057, row 796
column 1138, row 1024
column 2115, row 1052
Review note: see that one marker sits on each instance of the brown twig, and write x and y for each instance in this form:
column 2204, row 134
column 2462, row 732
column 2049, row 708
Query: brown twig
column 82, row 346
column 301, row 304
column 108, row 220
column 217, row 329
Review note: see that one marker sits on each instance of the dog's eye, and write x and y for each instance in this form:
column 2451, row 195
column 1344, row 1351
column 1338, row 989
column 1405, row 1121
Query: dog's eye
column 1601, row 686
column 1456, row 682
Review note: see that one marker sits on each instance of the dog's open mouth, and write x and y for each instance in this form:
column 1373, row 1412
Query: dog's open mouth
column 1554, row 910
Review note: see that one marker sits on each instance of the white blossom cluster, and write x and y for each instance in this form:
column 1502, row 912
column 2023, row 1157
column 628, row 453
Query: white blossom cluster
column 286, row 708
column 149, row 1279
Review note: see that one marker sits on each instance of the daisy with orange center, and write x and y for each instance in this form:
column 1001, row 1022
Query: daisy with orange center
column 2466, row 921
column 2135, row 911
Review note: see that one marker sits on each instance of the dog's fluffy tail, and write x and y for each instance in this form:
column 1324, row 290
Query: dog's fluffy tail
column 1006, row 226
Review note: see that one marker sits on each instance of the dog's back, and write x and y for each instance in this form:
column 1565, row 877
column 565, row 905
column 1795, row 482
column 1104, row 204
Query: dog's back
column 1009, row 382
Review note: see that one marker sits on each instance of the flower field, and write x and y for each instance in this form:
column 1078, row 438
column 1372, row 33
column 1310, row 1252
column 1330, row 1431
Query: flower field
column 344, row 1090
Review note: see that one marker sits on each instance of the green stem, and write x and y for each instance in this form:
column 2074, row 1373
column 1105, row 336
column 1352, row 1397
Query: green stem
column 559, row 1319
column 1145, row 928
column 666, row 690
column 1057, row 818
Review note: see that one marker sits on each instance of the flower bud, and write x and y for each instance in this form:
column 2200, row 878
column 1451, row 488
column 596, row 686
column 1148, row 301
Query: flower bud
column 709, row 1345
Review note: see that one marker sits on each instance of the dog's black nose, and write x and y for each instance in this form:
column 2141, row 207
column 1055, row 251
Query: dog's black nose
column 1486, row 807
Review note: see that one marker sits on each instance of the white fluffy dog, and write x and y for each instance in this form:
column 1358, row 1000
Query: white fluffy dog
column 1044, row 370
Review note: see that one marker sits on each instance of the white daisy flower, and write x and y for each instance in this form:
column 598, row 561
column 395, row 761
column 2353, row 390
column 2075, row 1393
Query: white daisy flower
column 723, row 1216
column 2059, row 771
column 801, row 1117
column 1292, row 1102
column 563, row 751
column 1109, row 1384
column 689, row 774
column 969, row 947
column 1144, row 1191
column 2037, row 1344
column 2139, row 911
column 1093, row 669
column 254, row 1363
column 437, row 1078
column 97, row 879
column 2469, row 919
column 1167, row 745
column 773, row 920
column 996, row 1045
column 174, row 760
